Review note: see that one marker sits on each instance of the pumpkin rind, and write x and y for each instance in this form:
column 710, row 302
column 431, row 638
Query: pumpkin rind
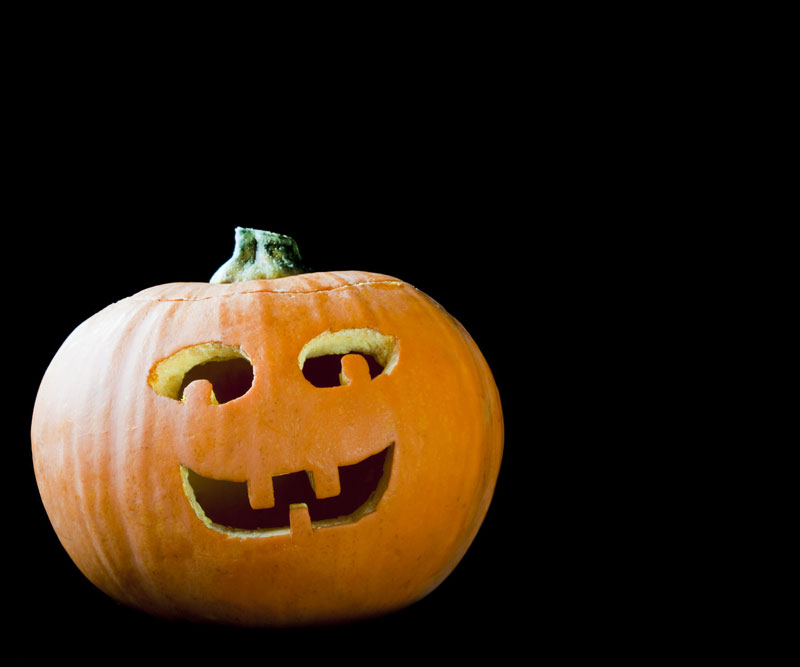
column 108, row 449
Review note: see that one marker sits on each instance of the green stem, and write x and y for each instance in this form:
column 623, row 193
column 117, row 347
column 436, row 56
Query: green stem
column 260, row 255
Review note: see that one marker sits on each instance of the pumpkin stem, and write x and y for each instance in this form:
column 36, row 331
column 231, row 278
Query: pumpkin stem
column 260, row 255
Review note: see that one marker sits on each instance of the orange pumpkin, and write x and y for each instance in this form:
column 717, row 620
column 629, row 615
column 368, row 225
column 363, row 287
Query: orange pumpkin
column 271, row 448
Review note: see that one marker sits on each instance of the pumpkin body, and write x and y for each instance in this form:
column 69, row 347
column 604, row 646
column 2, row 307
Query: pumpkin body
column 111, row 453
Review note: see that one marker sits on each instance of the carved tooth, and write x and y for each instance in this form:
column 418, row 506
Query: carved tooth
column 299, row 519
column 325, row 481
column 261, row 493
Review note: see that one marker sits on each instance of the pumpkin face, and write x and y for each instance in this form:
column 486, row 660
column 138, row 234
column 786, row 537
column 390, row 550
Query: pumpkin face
column 307, row 449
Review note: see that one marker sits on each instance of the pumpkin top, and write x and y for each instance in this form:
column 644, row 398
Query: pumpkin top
column 299, row 284
column 260, row 255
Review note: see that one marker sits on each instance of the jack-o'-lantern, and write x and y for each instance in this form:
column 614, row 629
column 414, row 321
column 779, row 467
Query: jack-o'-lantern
column 271, row 448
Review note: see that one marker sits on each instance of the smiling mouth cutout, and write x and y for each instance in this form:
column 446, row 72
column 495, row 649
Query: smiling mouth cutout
column 224, row 506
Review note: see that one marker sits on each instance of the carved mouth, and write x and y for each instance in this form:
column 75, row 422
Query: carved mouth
column 224, row 506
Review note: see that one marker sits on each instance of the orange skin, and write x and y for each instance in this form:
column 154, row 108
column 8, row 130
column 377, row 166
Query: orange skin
column 107, row 450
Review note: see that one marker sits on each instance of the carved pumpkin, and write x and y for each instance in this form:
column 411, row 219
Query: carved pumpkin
column 271, row 448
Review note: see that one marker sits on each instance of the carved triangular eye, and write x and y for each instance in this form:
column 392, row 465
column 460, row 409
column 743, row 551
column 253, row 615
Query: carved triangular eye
column 226, row 367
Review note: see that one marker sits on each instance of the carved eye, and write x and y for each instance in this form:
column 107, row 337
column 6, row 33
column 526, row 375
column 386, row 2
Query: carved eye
column 320, row 358
column 325, row 371
column 226, row 367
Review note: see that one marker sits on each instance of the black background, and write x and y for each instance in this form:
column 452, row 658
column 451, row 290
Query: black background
column 526, row 177
column 93, row 238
